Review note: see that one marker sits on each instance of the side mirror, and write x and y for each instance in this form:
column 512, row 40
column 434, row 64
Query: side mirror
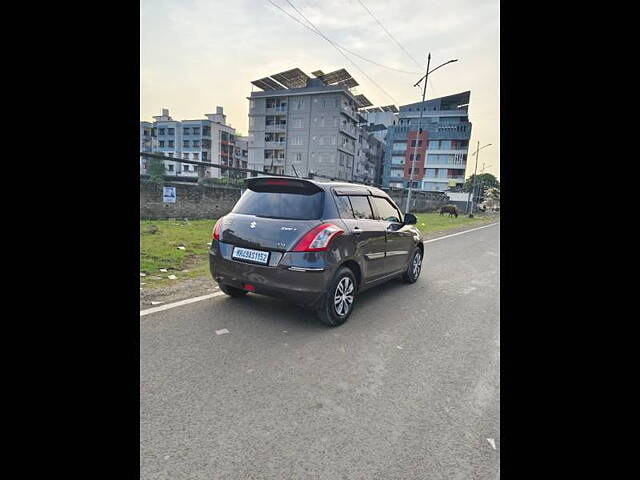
column 410, row 219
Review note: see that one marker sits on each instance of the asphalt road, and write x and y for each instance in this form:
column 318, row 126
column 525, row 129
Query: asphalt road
column 408, row 388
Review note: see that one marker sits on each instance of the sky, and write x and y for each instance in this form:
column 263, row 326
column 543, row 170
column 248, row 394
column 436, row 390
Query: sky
column 199, row 54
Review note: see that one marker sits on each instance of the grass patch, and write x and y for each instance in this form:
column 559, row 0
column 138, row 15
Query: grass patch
column 160, row 249
column 434, row 223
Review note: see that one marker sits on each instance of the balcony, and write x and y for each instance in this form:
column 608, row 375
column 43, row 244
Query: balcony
column 274, row 160
column 275, row 145
column 349, row 111
column 279, row 110
column 346, row 148
column 349, row 131
column 458, row 179
column 275, row 127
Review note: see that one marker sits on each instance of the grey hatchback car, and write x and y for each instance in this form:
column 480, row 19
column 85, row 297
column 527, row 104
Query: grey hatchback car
column 317, row 244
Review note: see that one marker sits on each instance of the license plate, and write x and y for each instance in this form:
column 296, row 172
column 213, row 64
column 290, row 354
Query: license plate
column 250, row 255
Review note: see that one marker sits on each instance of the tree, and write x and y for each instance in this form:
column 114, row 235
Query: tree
column 156, row 170
column 483, row 183
column 492, row 198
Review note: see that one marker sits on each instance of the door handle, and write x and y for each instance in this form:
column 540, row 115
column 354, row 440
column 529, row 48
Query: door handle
column 357, row 230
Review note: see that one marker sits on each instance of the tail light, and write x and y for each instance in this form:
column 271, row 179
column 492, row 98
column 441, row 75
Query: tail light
column 216, row 229
column 318, row 238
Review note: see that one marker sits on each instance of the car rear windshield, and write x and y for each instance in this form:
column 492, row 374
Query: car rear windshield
column 289, row 206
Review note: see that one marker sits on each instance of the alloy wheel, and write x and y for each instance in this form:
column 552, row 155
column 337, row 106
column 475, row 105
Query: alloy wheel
column 417, row 264
column 343, row 298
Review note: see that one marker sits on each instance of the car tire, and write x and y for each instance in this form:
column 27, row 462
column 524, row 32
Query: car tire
column 414, row 268
column 336, row 307
column 232, row 291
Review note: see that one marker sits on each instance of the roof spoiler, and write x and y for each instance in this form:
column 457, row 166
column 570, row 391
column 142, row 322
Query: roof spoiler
column 282, row 185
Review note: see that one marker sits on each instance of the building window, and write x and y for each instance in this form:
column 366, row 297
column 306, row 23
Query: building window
column 185, row 156
column 185, row 131
column 333, row 140
column 171, row 143
column 171, row 131
column 196, row 130
column 204, row 156
column 297, row 140
column 322, row 121
column 170, row 167
column 171, row 154
column 161, row 131
column 298, row 158
column 161, row 143
column 196, row 156
column 321, row 140
column 297, row 123
column 299, row 104
column 196, row 143
column 185, row 143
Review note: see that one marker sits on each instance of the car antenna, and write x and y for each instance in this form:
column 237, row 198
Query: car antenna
column 294, row 171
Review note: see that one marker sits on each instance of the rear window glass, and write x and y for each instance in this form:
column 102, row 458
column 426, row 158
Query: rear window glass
column 344, row 207
column 289, row 206
column 361, row 207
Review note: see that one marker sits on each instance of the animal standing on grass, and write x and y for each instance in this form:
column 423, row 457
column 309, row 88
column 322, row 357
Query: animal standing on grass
column 450, row 209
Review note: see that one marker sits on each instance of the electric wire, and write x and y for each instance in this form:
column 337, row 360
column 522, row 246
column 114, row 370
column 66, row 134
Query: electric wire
column 342, row 53
column 340, row 46
column 390, row 35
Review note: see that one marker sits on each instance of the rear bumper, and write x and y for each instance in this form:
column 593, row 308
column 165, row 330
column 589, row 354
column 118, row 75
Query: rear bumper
column 301, row 282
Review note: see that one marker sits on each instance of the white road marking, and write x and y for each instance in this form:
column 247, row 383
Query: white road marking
column 222, row 331
column 460, row 233
column 180, row 303
column 492, row 442
column 218, row 294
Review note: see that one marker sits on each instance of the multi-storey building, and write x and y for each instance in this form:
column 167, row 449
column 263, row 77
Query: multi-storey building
column 302, row 126
column 441, row 151
column 147, row 143
column 241, row 155
column 209, row 140
column 380, row 117
column 369, row 157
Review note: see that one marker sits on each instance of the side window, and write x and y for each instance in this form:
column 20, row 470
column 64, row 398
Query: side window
column 344, row 207
column 361, row 207
column 386, row 211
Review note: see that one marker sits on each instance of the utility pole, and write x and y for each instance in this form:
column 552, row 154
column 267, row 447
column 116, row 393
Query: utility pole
column 473, row 189
column 415, row 150
column 480, row 193
column 469, row 198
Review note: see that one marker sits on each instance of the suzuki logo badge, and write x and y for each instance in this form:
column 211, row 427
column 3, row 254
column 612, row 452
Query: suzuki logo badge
column 252, row 224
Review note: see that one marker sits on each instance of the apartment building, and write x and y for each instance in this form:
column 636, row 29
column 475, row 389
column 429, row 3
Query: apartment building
column 147, row 143
column 441, row 151
column 299, row 125
column 209, row 140
column 368, row 159
column 379, row 119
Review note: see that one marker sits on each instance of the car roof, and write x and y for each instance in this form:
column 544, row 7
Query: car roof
column 340, row 188
column 345, row 187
